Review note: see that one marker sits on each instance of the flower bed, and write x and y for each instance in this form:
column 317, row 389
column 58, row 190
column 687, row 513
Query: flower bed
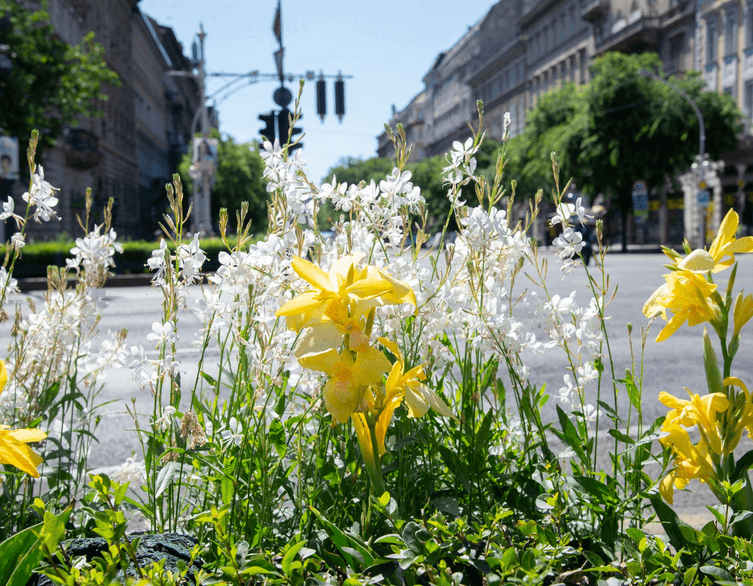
column 370, row 418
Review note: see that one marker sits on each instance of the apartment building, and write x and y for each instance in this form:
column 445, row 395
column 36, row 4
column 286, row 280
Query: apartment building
column 129, row 153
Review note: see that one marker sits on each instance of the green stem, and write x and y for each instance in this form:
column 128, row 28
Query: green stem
column 373, row 464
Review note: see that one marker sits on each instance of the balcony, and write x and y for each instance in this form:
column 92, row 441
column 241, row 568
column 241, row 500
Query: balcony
column 595, row 10
column 636, row 37
column 82, row 152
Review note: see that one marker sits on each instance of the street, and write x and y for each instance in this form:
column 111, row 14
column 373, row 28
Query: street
column 669, row 365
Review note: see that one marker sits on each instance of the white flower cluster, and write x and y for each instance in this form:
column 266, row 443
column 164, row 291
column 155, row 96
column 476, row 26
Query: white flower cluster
column 94, row 254
column 41, row 196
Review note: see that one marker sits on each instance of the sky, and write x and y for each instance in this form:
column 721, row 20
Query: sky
column 387, row 47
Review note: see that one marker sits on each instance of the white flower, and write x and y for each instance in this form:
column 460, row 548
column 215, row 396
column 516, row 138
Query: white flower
column 580, row 211
column 158, row 263
column 7, row 209
column 42, row 197
column 164, row 421
column 587, row 374
column 234, row 433
column 163, row 333
column 17, row 241
column 569, row 243
column 563, row 213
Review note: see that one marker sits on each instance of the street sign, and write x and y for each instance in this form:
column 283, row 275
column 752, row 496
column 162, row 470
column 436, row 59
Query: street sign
column 703, row 198
column 640, row 195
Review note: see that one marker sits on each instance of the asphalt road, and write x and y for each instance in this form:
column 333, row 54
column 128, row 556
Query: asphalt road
column 669, row 365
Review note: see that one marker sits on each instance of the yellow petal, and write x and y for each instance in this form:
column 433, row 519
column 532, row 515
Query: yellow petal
column 672, row 326
column 371, row 366
column 3, row 375
column 341, row 399
column 667, row 488
column 27, row 436
column 733, row 380
column 18, row 454
column 322, row 361
column 744, row 244
column 364, row 437
column 724, row 235
column 312, row 274
column 652, row 307
column 383, row 423
column 301, row 304
column 341, row 267
column 319, row 338
column 401, row 291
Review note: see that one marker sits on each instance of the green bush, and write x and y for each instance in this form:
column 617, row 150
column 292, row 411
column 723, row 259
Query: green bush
column 37, row 256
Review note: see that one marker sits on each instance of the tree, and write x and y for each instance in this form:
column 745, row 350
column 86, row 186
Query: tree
column 238, row 179
column 640, row 128
column 51, row 83
column 621, row 127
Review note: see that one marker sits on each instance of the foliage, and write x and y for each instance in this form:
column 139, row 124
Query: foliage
column 51, row 83
column 238, row 179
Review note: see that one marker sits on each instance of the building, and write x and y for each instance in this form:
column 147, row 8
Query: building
column 131, row 152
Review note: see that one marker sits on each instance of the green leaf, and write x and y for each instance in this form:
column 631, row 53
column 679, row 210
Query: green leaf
column 19, row 556
column 617, row 434
column 277, row 435
column 671, row 522
column 717, row 572
column 634, row 394
column 345, row 543
column 208, row 378
column 165, row 477
column 289, row 556
column 447, row 504
column 569, row 433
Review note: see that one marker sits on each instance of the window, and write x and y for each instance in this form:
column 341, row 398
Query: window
column 711, row 40
column 730, row 34
column 546, row 39
column 675, row 52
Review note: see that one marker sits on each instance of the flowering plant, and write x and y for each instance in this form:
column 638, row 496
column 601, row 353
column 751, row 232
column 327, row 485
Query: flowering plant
column 720, row 416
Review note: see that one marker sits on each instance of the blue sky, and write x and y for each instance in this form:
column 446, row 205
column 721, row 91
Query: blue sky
column 386, row 46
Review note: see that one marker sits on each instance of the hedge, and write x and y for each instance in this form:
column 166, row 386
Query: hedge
column 37, row 256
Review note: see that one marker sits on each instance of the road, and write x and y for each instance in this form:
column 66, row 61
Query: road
column 669, row 365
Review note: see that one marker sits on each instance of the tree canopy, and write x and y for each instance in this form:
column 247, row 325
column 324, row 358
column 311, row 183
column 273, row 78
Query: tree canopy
column 51, row 83
column 238, row 179
column 624, row 126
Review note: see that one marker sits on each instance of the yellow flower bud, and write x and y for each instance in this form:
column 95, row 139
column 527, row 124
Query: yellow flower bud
column 743, row 311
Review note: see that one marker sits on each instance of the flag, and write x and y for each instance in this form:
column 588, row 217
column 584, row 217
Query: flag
column 277, row 25
column 278, row 61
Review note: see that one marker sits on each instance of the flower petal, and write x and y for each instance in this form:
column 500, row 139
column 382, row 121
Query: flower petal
column 312, row 274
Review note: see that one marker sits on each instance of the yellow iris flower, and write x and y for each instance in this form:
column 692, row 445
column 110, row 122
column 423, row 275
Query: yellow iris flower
column 349, row 377
column 332, row 292
column 13, row 448
column 686, row 295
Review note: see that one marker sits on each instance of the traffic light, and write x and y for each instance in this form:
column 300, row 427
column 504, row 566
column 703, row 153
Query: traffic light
column 340, row 97
column 283, row 127
column 269, row 131
column 321, row 97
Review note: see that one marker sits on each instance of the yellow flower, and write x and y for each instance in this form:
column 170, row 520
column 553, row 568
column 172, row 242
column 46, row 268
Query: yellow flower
column 13, row 448
column 743, row 311
column 700, row 411
column 348, row 377
column 333, row 292
column 409, row 386
column 686, row 294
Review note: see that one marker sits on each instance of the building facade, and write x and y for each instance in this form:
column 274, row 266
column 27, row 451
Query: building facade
column 130, row 152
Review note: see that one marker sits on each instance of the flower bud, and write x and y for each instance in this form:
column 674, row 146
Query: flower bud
column 743, row 311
